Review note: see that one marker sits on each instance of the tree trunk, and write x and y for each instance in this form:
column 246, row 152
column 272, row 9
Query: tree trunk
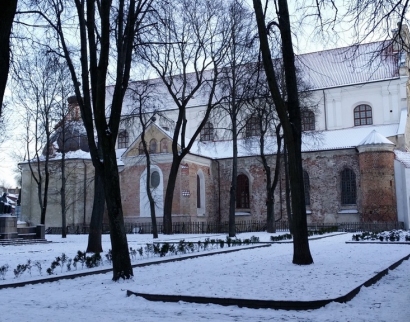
column 62, row 193
column 7, row 12
column 287, row 190
column 289, row 115
column 94, row 236
column 169, row 196
column 234, row 180
column 120, row 253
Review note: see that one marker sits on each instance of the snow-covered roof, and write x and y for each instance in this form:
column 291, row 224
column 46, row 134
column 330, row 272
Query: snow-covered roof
column 375, row 138
column 324, row 69
column 320, row 141
column 349, row 65
column 403, row 157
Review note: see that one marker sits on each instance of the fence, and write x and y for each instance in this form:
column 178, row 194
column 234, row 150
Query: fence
column 241, row 227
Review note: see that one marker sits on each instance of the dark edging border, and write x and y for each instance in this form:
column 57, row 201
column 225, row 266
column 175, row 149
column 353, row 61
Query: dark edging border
column 290, row 241
column 107, row 270
column 378, row 242
column 262, row 304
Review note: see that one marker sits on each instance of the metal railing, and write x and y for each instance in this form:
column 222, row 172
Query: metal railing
column 241, row 227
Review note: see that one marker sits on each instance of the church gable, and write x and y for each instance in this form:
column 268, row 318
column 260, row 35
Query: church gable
column 158, row 141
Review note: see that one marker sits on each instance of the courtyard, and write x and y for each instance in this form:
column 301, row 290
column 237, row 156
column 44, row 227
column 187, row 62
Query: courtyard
column 264, row 273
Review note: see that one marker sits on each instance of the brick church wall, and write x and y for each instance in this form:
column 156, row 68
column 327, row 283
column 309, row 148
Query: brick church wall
column 324, row 170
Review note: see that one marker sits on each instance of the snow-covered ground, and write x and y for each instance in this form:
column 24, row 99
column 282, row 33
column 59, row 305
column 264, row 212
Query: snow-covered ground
column 264, row 273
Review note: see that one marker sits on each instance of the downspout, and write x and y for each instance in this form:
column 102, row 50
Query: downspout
column 324, row 108
column 85, row 191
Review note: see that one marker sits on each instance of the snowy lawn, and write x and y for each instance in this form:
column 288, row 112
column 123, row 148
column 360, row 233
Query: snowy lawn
column 264, row 273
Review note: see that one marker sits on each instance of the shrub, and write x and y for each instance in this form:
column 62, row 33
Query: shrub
column 93, row 261
column 3, row 271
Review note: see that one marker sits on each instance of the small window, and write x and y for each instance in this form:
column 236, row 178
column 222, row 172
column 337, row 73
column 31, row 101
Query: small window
column 308, row 120
column 363, row 115
column 207, row 132
column 155, row 179
column 164, row 146
column 252, row 127
column 153, row 146
column 348, row 187
column 242, row 192
column 306, row 184
column 123, row 139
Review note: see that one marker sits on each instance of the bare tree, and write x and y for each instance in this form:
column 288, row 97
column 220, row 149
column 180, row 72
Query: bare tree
column 143, row 94
column 7, row 12
column 99, row 23
column 40, row 82
column 290, row 118
column 186, row 37
column 237, row 82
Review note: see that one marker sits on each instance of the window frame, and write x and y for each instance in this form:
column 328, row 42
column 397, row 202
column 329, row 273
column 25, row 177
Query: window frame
column 242, row 191
column 252, row 127
column 308, row 120
column 207, row 132
column 348, row 188
column 123, row 139
column 362, row 115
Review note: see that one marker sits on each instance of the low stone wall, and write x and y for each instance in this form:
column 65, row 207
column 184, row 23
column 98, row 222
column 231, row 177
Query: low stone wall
column 8, row 227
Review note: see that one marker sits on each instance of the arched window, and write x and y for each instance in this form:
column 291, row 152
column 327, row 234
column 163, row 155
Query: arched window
column 153, row 146
column 123, row 139
column 164, row 146
column 141, row 148
column 242, row 192
column 155, row 179
column 306, row 184
column 252, row 127
column 348, row 187
column 363, row 115
column 207, row 132
column 308, row 120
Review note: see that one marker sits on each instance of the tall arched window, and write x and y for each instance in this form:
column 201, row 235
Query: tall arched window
column 306, row 184
column 252, row 127
column 198, row 191
column 242, row 192
column 164, row 146
column 123, row 139
column 363, row 115
column 348, row 187
column 153, row 146
column 308, row 120
column 207, row 132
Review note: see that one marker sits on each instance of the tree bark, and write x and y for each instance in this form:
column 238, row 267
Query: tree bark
column 289, row 115
column 95, row 233
column 7, row 12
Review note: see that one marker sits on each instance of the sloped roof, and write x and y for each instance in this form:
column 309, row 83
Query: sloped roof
column 321, row 141
column 403, row 157
column 375, row 138
column 323, row 69
column 349, row 65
